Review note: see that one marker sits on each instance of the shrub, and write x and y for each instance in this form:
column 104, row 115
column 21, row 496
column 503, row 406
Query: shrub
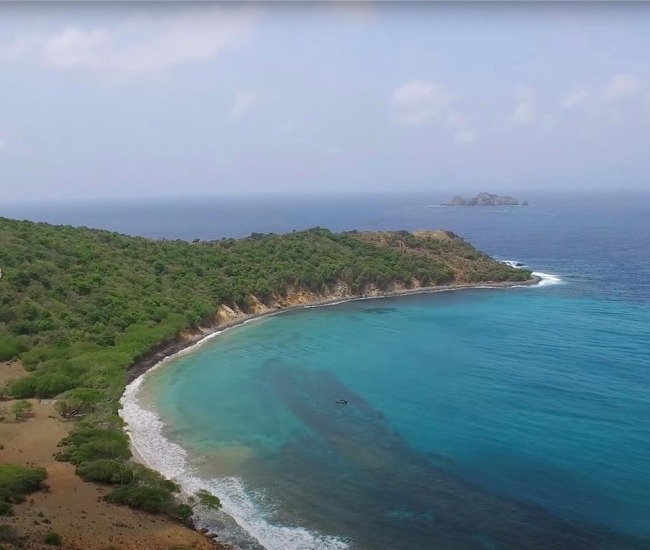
column 53, row 539
column 182, row 512
column 148, row 499
column 16, row 482
column 51, row 385
column 21, row 408
column 106, row 471
column 208, row 500
column 23, row 388
column 88, row 444
column 78, row 401
column 12, row 346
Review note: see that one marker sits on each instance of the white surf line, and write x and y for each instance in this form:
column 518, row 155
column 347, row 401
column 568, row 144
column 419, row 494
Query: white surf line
column 547, row 279
column 145, row 430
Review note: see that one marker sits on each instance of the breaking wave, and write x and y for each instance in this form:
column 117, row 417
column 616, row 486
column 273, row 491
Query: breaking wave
column 243, row 524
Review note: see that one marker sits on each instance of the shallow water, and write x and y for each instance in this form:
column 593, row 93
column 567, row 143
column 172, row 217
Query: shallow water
column 468, row 425
column 497, row 419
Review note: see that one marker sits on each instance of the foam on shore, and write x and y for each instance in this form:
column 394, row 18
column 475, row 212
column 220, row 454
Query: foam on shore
column 547, row 279
column 145, row 430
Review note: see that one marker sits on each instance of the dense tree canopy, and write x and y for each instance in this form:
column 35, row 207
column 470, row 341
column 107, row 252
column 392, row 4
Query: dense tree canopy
column 80, row 305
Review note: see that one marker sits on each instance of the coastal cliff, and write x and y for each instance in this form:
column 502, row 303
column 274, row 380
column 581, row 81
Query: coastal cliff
column 486, row 199
column 86, row 311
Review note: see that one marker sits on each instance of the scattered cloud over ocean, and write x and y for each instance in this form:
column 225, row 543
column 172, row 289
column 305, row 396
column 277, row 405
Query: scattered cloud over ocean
column 419, row 101
column 139, row 46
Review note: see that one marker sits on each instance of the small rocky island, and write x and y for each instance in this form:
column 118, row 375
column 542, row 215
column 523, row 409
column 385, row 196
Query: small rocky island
column 486, row 199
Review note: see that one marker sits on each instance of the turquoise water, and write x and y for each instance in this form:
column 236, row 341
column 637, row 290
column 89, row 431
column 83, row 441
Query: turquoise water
column 476, row 419
column 486, row 419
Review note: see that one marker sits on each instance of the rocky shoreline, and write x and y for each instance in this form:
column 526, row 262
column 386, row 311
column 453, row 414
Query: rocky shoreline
column 228, row 318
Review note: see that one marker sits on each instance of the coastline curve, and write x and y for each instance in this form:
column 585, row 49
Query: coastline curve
column 150, row 446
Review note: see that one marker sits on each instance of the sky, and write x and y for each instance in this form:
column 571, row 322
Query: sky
column 132, row 100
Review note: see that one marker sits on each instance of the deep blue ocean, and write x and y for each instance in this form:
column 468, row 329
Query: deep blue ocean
column 477, row 419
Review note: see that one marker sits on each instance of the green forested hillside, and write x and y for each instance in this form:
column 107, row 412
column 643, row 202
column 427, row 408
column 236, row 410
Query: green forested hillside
column 79, row 306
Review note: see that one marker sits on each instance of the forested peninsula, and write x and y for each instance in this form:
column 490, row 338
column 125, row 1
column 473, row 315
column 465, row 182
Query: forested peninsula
column 81, row 308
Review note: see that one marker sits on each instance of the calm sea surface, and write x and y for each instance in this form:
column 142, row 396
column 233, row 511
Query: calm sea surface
column 480, row 419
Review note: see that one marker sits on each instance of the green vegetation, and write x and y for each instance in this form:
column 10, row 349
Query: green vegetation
column 78, row 307
column 52, row 538
column 16, row 482
column 21, row 409
column 208, row 500
column 78, row 401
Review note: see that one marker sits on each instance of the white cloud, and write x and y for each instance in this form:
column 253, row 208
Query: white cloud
column 419, row 101
column 244, row 102
column 524, row 113
column 619, row 87
column 139, row 46
column 465, row 136
column 578, row 98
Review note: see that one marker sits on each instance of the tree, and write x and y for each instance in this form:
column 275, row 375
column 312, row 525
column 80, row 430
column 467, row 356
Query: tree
column 78, row 401
column 21, row 408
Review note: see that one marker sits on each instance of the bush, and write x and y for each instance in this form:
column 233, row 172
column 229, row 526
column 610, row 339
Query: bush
column 106, row 471
column 51, row 385
column 53, row 539
column 89, row 444
column 78, row 401
column 16, row 482
column 148, row 499
column 21, row 408
column 23, row 388
column 208, row 500
column 182, row 512
column 12, row 346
